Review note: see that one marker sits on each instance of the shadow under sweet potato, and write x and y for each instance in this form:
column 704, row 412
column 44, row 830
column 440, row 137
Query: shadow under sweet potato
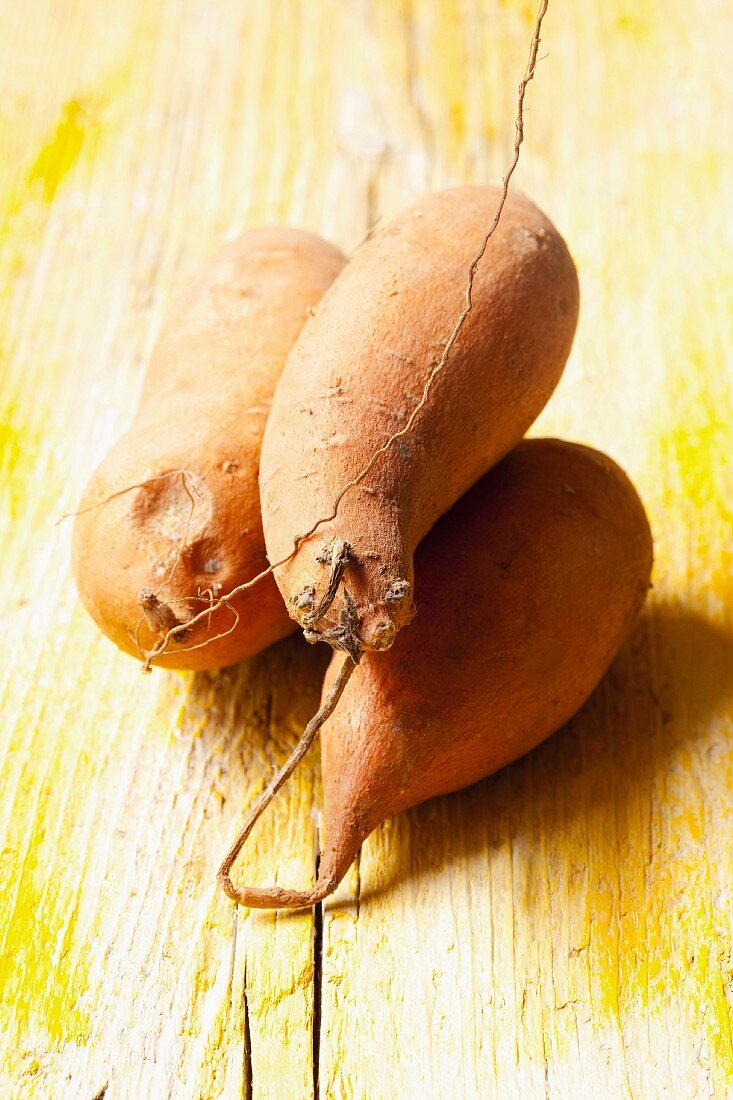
column 270, row 696
column 671, row 676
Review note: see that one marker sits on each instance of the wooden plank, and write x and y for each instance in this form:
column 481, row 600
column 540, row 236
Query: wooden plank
column 561, row 929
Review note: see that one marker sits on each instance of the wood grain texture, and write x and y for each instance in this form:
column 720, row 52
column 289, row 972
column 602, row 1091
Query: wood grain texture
column 563, row 929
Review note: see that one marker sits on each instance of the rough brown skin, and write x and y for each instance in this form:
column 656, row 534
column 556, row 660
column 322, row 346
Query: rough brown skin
column 358, row 369
column 203, row 409
column 529, row 586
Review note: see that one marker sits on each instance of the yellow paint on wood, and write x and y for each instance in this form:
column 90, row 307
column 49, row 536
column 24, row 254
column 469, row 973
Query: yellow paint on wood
column 562, row 929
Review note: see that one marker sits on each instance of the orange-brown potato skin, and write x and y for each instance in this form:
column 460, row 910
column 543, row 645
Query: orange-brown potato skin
column 528, row 587
column 203, row 409
column 358, row 369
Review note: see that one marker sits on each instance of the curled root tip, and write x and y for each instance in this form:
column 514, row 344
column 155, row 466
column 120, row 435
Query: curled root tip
column 276, row 897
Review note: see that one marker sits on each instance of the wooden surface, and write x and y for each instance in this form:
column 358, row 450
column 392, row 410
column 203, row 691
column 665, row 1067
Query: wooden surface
column 564, row 929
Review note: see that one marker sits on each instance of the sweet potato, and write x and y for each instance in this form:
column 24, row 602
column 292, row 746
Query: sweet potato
column 529, row 586
column 357, row 371
column 153, row 556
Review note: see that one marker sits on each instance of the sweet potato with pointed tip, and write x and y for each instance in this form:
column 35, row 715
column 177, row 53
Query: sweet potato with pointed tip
column 358, row 369
column 151, row 557
column 529, row 586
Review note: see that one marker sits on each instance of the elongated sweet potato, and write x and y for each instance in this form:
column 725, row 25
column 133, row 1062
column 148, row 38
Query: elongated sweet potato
column 357, row 371
column 154, row 555
column 529, row 586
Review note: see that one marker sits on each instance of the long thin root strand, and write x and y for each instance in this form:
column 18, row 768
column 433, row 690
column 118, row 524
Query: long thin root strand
column 271, row 897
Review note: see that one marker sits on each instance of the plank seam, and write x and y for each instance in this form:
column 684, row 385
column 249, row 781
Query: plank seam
column 317, row 980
